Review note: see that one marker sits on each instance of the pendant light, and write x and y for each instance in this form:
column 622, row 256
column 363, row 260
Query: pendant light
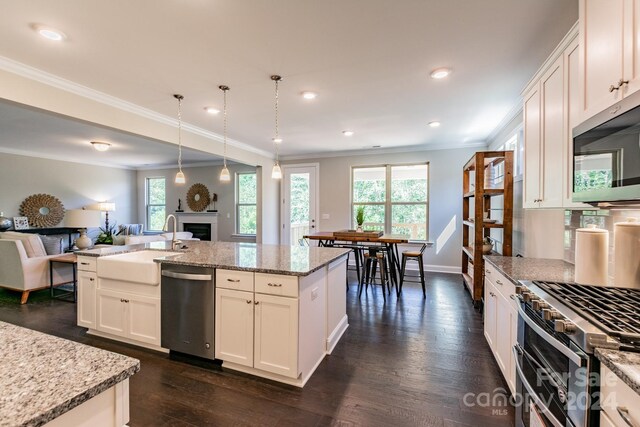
column 225, row 176
column 180, row 179
column 276, row 172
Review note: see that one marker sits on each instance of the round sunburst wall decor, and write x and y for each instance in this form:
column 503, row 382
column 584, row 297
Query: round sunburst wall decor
column 43, row 210
column 198, row 197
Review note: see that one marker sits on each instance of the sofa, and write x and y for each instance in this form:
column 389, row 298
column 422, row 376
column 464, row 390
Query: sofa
column 24, row 264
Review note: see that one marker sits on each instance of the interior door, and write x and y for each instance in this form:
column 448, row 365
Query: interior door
column 299, row 202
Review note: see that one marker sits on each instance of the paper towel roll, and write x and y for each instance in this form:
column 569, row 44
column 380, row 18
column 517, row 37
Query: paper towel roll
column 592, row 255
column 626, row 253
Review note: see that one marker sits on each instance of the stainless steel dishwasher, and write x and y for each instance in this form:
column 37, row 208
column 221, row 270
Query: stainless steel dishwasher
column 188, row 301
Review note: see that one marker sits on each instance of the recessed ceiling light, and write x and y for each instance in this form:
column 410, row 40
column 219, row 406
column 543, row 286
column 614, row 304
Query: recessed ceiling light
column 348, row 132
column 50, row 33
column 100, row 146
column 434, row 124
column 277, row 140
column 309, row 95
column 212, row 110
column 440, row 73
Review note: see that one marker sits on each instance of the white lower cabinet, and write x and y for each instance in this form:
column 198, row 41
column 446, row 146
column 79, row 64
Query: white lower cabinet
column 501, row 322
column 258, row 331
column 127, row 315
column 620, row 404
column 87, row 281
column 234, row 326
column 276, row 335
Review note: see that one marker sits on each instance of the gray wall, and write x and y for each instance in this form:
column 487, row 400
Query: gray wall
column 210, row 177
column 445, row 194
column 74, row 184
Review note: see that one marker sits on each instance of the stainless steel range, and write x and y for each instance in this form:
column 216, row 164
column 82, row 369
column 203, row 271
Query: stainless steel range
column 559, row 326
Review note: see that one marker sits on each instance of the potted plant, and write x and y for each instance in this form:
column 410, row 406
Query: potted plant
column 106, row 235
column 360, row 217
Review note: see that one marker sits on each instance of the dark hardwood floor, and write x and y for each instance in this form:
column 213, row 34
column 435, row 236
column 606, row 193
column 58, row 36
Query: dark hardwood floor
column 407, row 362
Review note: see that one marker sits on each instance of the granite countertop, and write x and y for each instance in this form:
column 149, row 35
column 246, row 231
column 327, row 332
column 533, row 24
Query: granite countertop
column 624, row 364
column 516, row 268
column 277, row 259
column 42, row 376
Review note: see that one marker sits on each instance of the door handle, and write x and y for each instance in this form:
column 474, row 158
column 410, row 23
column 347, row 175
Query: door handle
column 186, row 276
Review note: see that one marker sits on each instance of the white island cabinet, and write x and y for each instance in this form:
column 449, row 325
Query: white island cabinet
column 278, row 309
column 279, row 326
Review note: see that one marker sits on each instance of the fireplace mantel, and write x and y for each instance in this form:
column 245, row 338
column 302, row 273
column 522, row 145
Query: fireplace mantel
column 199, row 218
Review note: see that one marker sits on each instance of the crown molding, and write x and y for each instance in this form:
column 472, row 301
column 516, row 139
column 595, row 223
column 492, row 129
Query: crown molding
column 40, row 76
column 25, row 153
column 375, row 151
column 515, row 110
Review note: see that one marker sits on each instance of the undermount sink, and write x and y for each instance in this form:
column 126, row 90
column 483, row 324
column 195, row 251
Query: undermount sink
column 136, row 267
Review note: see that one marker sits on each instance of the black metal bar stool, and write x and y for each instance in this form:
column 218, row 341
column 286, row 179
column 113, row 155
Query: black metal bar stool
column 413, row 255
column 376, row 258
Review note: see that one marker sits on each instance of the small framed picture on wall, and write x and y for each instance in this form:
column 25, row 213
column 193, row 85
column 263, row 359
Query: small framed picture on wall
column 20, row 223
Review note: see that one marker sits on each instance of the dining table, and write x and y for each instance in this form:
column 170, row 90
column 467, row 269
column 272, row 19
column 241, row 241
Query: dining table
column 357, row 243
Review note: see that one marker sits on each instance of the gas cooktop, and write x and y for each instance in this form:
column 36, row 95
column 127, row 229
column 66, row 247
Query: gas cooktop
column 615, row 311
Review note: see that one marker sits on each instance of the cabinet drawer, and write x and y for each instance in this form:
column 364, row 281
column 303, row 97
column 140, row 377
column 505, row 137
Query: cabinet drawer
column 87, row 263
column 276, row 284
column 618, row 399
column 501, row 283
column 231, row 279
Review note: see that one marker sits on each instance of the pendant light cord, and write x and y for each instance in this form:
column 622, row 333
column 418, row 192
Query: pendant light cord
column 277, row 124
column 179, row 132
column 224, row 97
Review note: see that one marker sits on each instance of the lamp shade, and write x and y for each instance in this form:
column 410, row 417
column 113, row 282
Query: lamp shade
column 107, row 206
column 80, row 218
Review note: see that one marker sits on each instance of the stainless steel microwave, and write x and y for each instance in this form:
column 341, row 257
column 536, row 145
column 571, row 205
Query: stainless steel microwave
column 606, row 156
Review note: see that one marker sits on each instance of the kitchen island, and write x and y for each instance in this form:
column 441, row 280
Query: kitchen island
column 50, row 380
column 278, row 309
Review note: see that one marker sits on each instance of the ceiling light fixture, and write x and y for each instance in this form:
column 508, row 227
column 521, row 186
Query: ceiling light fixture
column 348, row 132
column 440, row 73
column 180, row 178
column 212, row 110
column 276, row 172
column 50, row 33
column 225, row 176
column 100, row 146
column 434, row 124
column 309, row 95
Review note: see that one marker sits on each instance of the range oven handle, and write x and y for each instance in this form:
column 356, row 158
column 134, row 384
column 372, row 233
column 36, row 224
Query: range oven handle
column 539, row 403
column 572, row 355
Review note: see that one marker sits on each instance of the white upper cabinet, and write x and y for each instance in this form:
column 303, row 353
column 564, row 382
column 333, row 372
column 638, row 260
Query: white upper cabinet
column 609, row 53
column 532, row 162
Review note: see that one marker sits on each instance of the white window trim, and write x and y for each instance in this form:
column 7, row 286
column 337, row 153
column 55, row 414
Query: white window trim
column 238, row 204
column 388, row 204
column 146, row 200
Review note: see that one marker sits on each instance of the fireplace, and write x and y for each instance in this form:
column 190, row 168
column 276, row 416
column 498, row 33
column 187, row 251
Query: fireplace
column 200, row 231
column 203, row 225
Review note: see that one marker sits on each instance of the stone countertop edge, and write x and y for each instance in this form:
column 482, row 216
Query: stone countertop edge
column 39, row 391
column 170, row 261
column 625, row 364
column 518, row 268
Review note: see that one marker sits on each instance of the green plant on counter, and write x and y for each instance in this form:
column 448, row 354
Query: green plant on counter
column 106, row 235
column 360, row 215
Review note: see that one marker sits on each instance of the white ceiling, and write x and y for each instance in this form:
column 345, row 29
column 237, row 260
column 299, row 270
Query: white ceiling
column 27, row 131
column 369, row 60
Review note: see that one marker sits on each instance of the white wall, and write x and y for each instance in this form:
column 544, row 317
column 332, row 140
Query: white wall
column 75, row 185
column 210, row 177
column 445, row 197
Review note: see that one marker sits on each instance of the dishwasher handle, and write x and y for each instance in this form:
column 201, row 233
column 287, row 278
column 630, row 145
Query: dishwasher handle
column 187, row 276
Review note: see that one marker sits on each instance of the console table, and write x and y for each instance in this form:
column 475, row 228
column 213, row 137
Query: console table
column 51, row 231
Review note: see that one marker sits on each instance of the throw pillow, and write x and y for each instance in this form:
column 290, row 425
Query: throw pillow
column 53, row 245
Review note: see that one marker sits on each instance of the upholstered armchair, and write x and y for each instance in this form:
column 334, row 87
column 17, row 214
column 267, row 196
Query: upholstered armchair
column 23, row 273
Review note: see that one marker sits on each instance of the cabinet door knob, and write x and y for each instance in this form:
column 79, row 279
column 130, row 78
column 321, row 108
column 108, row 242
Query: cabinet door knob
column 91, row 279
column 499, row 282
column 622, row 82
column 248, row 301
column 612, row 88
column 233, row 280
column 257, row 302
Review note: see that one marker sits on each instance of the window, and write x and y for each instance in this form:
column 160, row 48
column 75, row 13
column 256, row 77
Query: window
column 156, row 203
column 395, row 198
column 246, row 212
